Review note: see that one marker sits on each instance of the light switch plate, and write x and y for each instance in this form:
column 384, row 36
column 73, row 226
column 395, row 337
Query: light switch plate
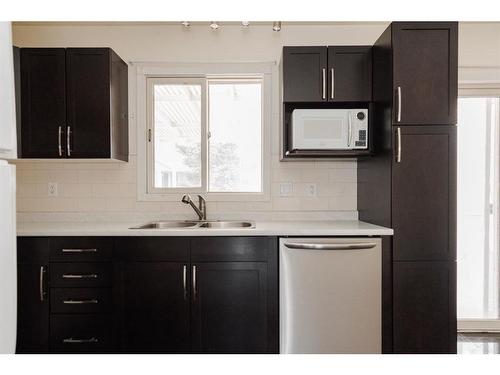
column 286, row 189
column 52, row 189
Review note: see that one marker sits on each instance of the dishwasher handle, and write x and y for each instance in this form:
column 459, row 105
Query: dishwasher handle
column 331, row 246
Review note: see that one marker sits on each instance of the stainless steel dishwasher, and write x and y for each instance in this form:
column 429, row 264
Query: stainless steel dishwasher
column 330, row 295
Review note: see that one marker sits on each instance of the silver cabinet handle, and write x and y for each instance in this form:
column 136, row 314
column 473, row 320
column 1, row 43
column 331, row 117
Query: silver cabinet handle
column 79, row 250
column 184, row 281
column 79, row 276
column 194, row 283
column 41, row 289
column 332, row 78
column 398, row 149
column 68, row 140
column 80, row 302
column 331, row 246
column 324, row 84
column 59, row 135
column 71, row 340
column 399, row 104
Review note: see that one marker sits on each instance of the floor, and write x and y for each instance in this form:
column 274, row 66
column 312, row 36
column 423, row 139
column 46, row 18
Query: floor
column 478, row 343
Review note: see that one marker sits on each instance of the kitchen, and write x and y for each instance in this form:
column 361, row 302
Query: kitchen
column 132, row 184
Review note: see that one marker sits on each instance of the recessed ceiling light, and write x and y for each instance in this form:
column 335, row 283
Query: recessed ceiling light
column 277, row 25
column 214, row 25
column 185, row 23
column 245, row 23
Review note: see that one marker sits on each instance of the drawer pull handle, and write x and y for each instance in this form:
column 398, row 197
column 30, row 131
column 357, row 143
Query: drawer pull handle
column 195, row 292
column 80, row 302
column 79, row 276
column 79, row 250
column 71, row 340
column 41, row 283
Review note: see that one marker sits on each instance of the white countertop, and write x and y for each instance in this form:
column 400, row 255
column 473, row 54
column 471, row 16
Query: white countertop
column 262, row 228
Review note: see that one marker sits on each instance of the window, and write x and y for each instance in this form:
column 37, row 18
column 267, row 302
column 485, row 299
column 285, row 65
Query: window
column 205, row 135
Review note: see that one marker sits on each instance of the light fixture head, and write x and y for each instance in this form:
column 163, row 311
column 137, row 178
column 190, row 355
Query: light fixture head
column 214, row 25
column 245, row 23
column 277, row 25
column 186, row 24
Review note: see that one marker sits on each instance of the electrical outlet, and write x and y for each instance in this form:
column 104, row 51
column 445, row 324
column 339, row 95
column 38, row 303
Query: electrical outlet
column 286, row 189
column 311, row 190
column 52, row 189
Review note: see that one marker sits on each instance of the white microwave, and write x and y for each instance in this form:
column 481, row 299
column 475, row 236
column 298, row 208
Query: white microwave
column 329, row 129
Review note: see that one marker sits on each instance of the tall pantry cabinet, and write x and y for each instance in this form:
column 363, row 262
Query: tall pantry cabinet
column 410, row 183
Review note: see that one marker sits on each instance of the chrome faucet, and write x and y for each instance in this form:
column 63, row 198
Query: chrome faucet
column 201, row 210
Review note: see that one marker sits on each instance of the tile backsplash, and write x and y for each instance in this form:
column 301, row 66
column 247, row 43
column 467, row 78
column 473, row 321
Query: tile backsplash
column 88, row 191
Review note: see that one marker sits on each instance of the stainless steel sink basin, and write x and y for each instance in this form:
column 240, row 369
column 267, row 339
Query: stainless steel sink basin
column 226, row 224
column 210, row 224
column 167, row 225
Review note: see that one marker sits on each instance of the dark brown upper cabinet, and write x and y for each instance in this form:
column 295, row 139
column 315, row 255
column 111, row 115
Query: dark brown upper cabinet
column 304, row 74
column 43, row 102
column 327, row 74
column 74, row 103
column 425, row 58
column 350, row 74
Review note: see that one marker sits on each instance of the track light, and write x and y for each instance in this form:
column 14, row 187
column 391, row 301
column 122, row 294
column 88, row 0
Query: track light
column 214, row 25
column 186, row 24
column 277, row 25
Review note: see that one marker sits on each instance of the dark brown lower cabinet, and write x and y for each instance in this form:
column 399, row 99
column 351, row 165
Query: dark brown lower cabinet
column 229, row 302
column 424, row 306
column 32, row 295
column 154, row 307
column 148, row 295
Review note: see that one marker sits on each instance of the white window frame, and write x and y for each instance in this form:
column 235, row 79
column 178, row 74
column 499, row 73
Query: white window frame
column 152, row 72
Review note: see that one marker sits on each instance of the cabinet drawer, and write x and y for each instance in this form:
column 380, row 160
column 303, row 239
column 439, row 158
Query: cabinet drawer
column 81, row 333
column 80, row 249
column 80, row 300
column 231, row 249
column 80, row 274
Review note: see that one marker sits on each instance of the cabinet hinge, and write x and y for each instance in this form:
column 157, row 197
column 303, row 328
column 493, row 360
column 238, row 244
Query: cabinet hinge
column 149, row 135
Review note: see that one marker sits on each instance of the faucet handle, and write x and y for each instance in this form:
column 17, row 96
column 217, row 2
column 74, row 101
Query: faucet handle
column 186, row 199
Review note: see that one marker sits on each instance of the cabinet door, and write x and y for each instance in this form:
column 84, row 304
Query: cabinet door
column 424, row 193
column 88, row 106
column 304, row 74
column 350, row 74
column 154, row 307
column 424, row 307
column 229, row 307
column 32, row 295
column 425, row 73
column 43, row 102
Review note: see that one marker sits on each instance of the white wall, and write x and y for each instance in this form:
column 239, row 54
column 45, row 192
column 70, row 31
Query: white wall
column 108, row 191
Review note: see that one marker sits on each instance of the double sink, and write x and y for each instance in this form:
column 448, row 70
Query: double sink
column 197, row 224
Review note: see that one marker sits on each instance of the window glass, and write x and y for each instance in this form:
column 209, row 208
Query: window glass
column 235, row 136
column 177, row 135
